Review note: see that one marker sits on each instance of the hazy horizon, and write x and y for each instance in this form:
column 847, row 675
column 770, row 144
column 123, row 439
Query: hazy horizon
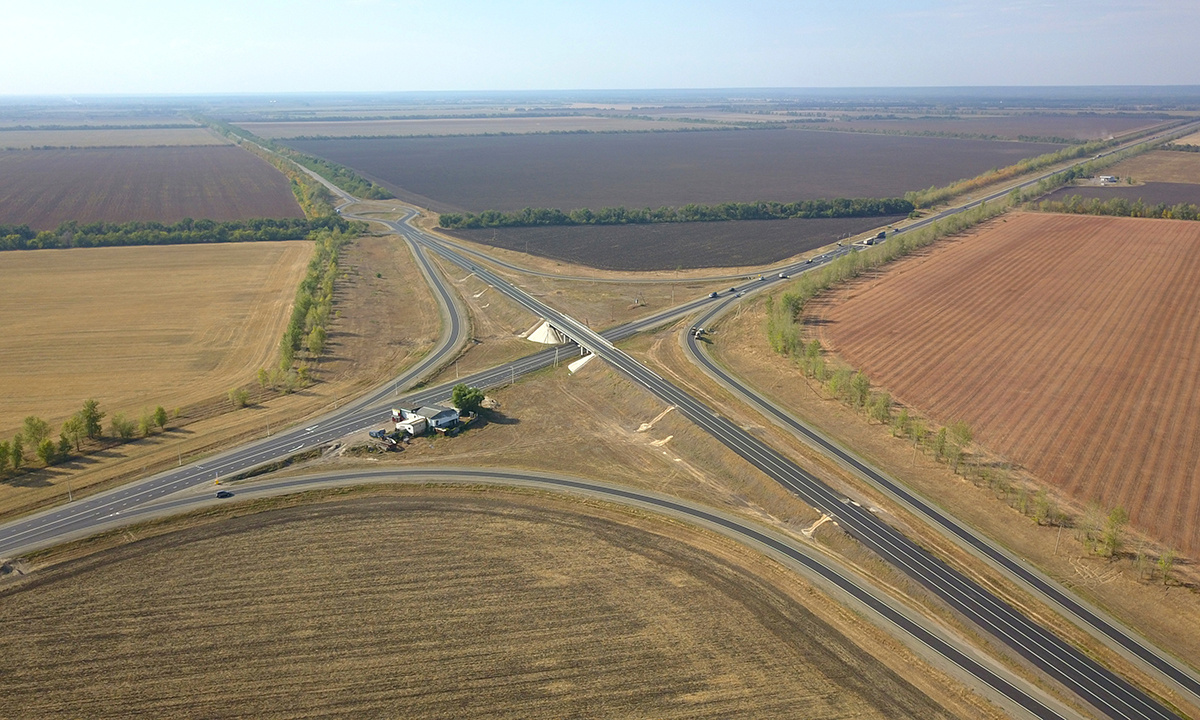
column 138, row 47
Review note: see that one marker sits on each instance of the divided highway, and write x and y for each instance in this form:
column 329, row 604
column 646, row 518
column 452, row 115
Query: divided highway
column 1094, row 684
column 1116, row 635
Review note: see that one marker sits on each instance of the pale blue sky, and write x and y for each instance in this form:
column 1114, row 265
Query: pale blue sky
column 214, row 46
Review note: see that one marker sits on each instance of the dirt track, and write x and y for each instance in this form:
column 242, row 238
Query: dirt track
column 1067, row 342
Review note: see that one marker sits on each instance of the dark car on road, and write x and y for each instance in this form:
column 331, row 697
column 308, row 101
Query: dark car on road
column 224, row 494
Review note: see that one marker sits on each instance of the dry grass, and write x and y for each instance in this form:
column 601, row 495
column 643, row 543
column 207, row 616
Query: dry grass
column 107, row 137
column 381, row 325
column 139, row 326
column 443, row 604
column 1160, row 166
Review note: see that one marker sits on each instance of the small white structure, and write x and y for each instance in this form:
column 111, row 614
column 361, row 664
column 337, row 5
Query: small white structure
column 546, row 334
column 575, row 366
column 1108, row 178
column 415, row 421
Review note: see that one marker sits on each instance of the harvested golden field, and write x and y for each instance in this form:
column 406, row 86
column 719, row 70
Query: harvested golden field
column 435, row 604
column 1160, row 166
column 20, row 139
column 1067, row 342
column 136, row 327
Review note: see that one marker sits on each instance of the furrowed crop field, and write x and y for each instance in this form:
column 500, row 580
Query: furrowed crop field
column 1150, row 193
column 14, row 139
column 1067, row 342
column 1072, row 127
column 435, row 606
column 459, row 126
column 43, row 188
column 136, row 327
column 655, row 169
column 668, row 246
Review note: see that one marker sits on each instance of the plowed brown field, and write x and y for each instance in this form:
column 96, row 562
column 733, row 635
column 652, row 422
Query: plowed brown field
column 43, row 188
column 1068, row 342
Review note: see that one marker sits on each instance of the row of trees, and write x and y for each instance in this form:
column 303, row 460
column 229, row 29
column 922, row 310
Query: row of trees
column 529, row 217
column 84, row 426
column 934, row 195
column 186, row 231
column 1120, row 207
column 339, row 175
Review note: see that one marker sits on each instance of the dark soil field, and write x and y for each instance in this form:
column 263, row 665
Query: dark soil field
column 670, row 246
column 1150, row 193
column 1068, row 342
column 1072, row 127
column 432, row 606
column 655, row 169
column 459, row 126
column 43, row 188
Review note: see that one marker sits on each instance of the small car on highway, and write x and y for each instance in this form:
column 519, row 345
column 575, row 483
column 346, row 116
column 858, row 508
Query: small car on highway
column 224, row 494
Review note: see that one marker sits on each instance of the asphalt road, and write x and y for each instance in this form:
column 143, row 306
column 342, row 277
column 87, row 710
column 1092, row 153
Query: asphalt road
column 1096, row 685
column 1114, row 634
column 805, row 558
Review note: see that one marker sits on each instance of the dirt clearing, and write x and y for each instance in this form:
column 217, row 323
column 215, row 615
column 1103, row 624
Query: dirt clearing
column 438, row 605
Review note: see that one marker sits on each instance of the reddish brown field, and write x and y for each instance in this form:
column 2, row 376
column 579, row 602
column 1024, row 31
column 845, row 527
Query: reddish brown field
column 43, row 188
column 671, row 246
column 655, row 169
column 1067, row 342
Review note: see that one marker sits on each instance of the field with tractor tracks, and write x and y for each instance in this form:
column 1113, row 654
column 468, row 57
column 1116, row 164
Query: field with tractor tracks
column 1067, row 342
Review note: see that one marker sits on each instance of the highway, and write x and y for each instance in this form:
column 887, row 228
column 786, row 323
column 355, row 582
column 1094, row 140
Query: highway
column 927, row 636
column 1112, row 633
column 1094, row 684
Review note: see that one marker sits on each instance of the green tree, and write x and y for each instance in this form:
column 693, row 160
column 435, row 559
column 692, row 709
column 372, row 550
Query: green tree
column 860, row 389
column 34, row 430
column 64, row 447
column 939, row 444
column 881, row 408
column 16, row 455
column 5, row 455
column 1114, row 530
column 466, row 399
column 145, row 424
column 160, row 418
column 264, row 378
column 239, row 397
column 316, row 340
column 121, row 426
column 46, row 452
column 91, row 416
column 72, row 428
column 1166, row 561
column 961, row 433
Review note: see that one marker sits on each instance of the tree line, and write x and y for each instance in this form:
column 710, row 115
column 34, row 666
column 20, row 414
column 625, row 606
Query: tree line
column 694, row 212
column 1120, row 207
column 84, row 427
column 339, row 175
column 187, row 231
